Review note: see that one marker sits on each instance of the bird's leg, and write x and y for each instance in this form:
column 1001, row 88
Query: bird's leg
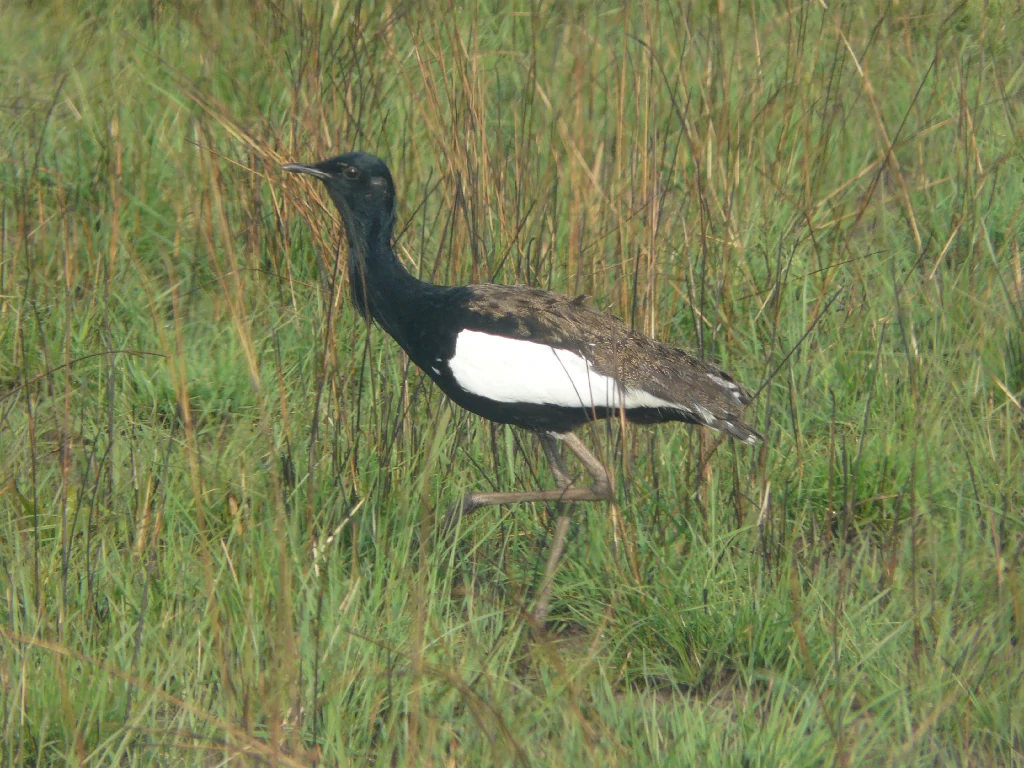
column 550, row 445
column 602, row 484
column 470, row 502
column 601, row 490
column 563, row 480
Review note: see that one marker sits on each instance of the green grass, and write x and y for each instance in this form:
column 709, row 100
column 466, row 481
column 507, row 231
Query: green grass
column 220, row 491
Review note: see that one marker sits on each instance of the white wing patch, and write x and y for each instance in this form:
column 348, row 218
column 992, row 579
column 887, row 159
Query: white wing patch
column 517, row 371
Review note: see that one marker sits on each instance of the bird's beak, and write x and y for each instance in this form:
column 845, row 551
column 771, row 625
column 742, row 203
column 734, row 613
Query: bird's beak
column 312, row 170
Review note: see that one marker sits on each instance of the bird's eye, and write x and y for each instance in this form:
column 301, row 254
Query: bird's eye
column 351, row 172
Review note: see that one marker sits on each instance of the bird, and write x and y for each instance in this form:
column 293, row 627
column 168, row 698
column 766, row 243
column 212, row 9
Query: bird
column 519, row 355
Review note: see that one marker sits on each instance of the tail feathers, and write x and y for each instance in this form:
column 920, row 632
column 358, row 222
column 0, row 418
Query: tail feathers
column 729, row 424
column 737, row 429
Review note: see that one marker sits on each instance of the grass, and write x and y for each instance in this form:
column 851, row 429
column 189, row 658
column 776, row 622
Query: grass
column 220, row 490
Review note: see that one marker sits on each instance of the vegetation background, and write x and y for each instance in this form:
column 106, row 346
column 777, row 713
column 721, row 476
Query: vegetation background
column 220, row 490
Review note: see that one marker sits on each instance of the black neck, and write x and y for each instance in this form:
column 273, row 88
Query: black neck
column 383, row 289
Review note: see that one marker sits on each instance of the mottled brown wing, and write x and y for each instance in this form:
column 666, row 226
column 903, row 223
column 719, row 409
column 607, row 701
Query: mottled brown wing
column 636, row 361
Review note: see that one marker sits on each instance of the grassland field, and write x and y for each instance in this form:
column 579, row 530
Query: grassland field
column 220, row 489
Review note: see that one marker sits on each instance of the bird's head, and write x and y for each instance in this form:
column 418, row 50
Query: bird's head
column 361, row 187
